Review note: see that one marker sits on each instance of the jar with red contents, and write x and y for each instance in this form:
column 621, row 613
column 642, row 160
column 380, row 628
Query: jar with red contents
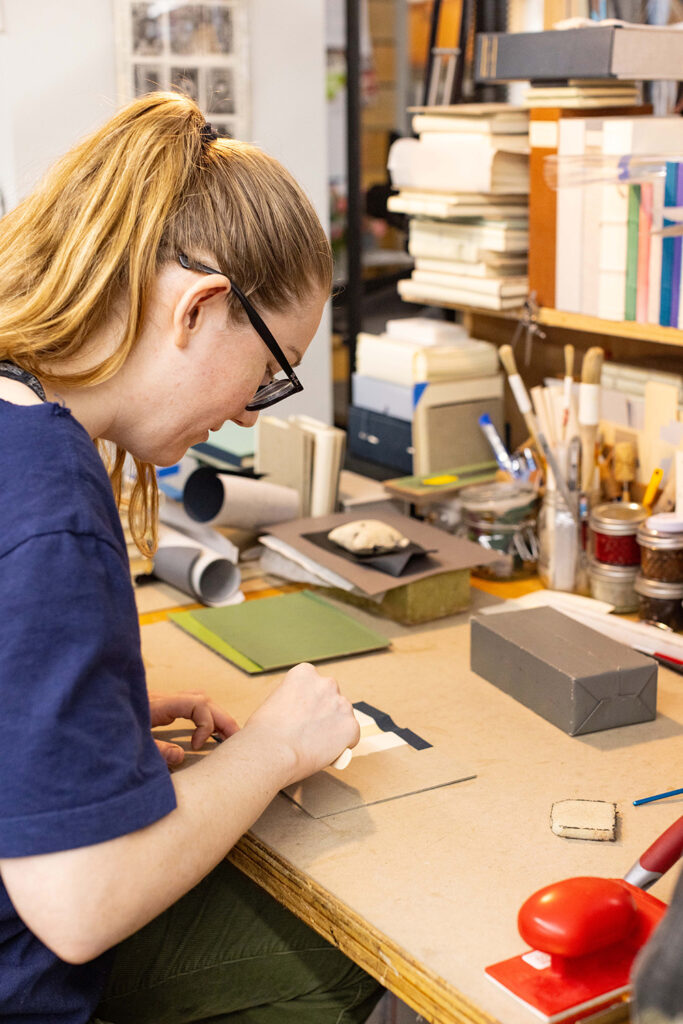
column 614, row 527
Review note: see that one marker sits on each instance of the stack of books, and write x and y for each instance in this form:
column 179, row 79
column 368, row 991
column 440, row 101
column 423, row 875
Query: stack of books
column 417, row 394
column 612, row 261
column 464, row 183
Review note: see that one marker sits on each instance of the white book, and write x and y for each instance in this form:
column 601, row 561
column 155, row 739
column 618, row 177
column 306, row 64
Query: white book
column 477, row 286
column 483, row 268
column 419, row 292
column 422, row 330
column 328, row 455
column 569, row 228
column 407, row 363
column 443, row 240
column 487, row 118
column 435, row 204
column 655, row 268
column 592, row 206
column 462, row 162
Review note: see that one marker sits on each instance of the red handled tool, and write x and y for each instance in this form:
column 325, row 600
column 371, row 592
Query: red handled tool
column 585, row 934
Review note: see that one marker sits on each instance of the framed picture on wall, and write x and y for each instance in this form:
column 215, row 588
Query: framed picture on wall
column 195, row 47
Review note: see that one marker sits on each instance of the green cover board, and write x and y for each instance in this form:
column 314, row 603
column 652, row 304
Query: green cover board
column 277, row 632
column 632, row 252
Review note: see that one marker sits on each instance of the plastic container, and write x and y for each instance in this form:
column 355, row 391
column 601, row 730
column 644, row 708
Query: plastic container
column 661, row 549
column 614, row 527
column 558, row 544
column 614, row 584
column 502, row 517
column 660, row 602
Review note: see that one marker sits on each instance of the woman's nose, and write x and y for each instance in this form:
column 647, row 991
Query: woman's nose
column 247, row 418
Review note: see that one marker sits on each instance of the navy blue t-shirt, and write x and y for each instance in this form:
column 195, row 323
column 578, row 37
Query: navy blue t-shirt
column 78, row 765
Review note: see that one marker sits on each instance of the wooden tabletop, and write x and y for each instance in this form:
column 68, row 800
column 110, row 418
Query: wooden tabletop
column 423, row 891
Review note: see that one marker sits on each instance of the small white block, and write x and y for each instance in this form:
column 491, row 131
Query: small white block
column 584, row 819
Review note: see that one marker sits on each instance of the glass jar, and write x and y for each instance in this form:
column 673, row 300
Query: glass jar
column 501, row 517
column 614, row 526
column 660, row 602
column 661, row 553
column 558, row 544
column 614, row 584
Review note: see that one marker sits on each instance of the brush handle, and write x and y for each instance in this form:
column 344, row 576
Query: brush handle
column 523, row 401
column 589, row 436
column 658, row 858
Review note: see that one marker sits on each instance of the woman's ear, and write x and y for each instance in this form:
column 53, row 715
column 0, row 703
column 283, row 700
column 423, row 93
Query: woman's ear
column 194, row 302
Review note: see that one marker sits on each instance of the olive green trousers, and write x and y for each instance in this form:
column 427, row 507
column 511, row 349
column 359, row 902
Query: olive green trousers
column 229, row 952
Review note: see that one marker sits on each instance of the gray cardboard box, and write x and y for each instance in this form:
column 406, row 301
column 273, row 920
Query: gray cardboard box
column 573, row 676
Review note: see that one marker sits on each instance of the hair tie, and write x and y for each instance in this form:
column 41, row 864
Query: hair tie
column 208, row 133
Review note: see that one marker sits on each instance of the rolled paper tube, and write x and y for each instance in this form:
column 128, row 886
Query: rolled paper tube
column 202, row 574
column 226, row 499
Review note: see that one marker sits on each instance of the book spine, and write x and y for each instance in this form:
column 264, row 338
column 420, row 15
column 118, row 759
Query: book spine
column 655, row 269
column 632, row 252
column 570, row 203
column 670, row 190
column 677, row 252
column 543, row 136
column 644, row 242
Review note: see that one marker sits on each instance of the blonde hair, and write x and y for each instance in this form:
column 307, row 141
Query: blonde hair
column 129, row 198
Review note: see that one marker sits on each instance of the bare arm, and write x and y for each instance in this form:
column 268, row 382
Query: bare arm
column 81, row 902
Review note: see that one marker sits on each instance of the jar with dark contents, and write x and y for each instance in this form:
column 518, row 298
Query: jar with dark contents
column 660, row 602
column 661, row 553
column 614, row 527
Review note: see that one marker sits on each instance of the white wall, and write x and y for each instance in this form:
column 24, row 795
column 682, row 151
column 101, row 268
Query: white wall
column 58, row 82
column 57, row 77
column 289, row 120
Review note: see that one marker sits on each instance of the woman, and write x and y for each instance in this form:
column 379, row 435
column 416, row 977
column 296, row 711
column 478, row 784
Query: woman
column 124, row 318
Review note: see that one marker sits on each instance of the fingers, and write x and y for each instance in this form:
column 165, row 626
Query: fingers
column 196, row 707
column 171, row 752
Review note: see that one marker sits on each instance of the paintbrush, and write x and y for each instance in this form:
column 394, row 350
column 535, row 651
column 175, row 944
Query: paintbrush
column 589, row 412
column 568, row 382
column 518, row 388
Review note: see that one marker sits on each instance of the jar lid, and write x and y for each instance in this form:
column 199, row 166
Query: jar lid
column 498, row 496
column 617, row 518
column 658, row 540
column 613, row 573
column 657, row 588
column 665, row 522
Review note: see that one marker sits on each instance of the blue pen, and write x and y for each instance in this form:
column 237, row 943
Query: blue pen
column 499, row 450
column 657, row 796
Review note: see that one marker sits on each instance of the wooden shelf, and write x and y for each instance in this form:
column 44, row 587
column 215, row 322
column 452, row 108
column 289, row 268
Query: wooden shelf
column 578, row 322
column 618, row 328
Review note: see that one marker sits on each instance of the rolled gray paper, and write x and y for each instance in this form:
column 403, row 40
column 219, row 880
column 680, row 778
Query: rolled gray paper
column 195, row 570
column 226, row 499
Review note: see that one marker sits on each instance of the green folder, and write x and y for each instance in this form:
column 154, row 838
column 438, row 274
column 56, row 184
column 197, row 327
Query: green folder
column 277, row 632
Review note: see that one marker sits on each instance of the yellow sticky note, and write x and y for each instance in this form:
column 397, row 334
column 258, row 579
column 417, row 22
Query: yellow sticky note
column 436, row 481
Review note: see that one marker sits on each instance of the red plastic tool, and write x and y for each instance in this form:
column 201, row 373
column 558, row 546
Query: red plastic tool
column 585, row 934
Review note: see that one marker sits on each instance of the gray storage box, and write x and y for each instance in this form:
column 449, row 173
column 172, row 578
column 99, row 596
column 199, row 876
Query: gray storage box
column 573, row 676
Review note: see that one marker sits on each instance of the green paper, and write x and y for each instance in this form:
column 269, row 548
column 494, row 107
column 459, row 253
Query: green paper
column 632, row 252
column 277, row 632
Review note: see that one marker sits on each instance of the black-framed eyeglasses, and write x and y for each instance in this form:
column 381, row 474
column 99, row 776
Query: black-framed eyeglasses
column 276, row 390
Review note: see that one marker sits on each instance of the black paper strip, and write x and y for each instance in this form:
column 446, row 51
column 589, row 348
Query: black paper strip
column 386, row 723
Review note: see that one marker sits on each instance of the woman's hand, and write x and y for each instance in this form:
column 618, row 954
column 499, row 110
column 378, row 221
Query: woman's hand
column 196, row 707
column 307, row 716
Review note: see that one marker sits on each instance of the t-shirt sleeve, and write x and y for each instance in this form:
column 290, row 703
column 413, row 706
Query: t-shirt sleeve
column 78, row 764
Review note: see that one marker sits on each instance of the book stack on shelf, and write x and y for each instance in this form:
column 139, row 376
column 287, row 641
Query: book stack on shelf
column 584, row 101
column 611, row 259
column 417, row 394
column 464, row 184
